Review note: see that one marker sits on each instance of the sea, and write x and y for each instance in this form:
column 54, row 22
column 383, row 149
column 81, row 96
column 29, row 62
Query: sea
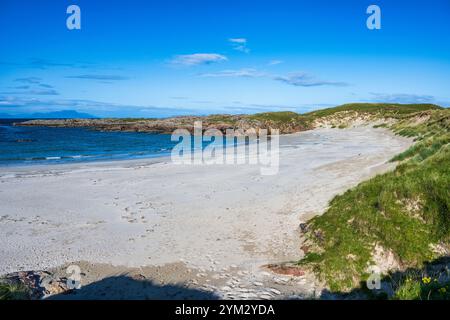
column 44, row 145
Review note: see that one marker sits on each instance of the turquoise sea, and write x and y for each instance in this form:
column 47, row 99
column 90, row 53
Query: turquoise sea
column 41, row 145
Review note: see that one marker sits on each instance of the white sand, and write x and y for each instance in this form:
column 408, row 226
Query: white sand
column 137, row 213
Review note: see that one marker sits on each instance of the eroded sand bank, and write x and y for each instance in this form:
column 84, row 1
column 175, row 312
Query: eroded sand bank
column 216, row 224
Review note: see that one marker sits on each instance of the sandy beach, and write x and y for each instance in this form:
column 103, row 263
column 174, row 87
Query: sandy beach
column 207, row 228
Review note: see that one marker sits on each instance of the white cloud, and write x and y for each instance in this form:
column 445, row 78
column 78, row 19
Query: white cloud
column 246, row 72
column 298, row 79
column 198, row 59
column 238, row 40
column 239, row 44
column 274, row 62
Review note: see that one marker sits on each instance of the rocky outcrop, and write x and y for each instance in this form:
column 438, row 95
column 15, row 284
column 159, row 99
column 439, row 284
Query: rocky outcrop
column 39, row 284
column 168, row 125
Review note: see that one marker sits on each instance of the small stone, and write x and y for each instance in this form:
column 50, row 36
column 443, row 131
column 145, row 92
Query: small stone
column 303, row 227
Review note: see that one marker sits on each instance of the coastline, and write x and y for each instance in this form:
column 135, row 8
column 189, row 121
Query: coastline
column 152, row 219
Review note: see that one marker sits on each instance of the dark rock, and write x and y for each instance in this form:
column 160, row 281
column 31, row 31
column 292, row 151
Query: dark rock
column 303, row 227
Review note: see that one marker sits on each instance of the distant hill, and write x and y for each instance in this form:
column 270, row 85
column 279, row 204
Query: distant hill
column 383, row 108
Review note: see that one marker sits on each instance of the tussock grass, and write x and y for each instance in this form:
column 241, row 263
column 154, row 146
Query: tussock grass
column 9, row 291
column 379, row 109
column 405, row 211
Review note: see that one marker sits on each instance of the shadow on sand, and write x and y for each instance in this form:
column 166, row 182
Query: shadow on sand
column 438, row 269
column 123, row 287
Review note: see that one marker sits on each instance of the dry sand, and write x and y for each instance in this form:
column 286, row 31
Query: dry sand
column 188, row 230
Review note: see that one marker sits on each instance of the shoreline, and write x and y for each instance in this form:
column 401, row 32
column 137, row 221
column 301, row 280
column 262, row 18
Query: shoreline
column 131, row 160
column 144, row 160
column 162, row 214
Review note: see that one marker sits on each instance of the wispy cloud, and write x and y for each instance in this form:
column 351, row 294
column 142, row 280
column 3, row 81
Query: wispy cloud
column 274, row 62
column 44, row 85
column 302, row 79
column 32, row 86
column 299, row 79
column 239, row 44
column 246, row 72
column 179, row 98
column 21, row 87
column 238, row 40
column 38, row 63
column 44, row 64
column 25, row 105
column 39, row 92
column 32, row 80
column 198, row 59
column 402, row 98
column 202, row 101
column 101, row 77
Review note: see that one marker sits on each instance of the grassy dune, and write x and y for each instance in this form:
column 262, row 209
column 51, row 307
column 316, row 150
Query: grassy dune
column 402, row 216
column 380, row 109
column 342, row 116
column 374, row 108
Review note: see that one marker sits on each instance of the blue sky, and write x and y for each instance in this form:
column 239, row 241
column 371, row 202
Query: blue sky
column 163, row 58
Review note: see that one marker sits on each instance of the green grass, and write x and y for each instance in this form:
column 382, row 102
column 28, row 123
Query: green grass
column 282, row 116
column 13, row 292
column 378, row 108
column 221, row 118
column 421, row 288
column 403, row 211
